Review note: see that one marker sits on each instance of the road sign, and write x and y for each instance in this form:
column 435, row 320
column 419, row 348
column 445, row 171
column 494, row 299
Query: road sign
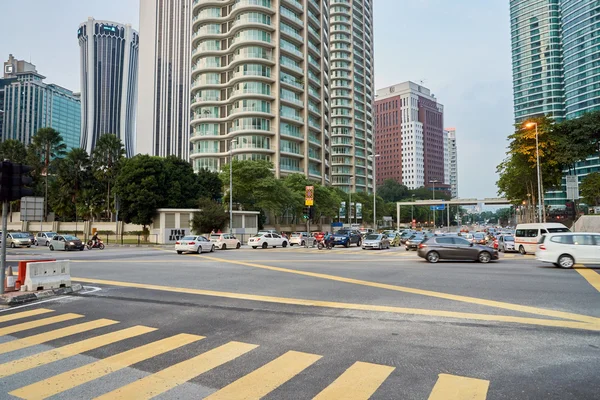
column 572, row 187
column 309, row 198
column 32, row 208
column 441, row 207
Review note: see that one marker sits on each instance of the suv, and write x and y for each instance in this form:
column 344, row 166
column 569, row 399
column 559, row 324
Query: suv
column 565, row 249
column 224, row 241
column 346, row 237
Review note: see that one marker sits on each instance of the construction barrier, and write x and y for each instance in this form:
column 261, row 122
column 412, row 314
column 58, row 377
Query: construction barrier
column 23, row 270
column 47, row 275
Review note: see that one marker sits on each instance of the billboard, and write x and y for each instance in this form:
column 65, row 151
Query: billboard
column 32, row 208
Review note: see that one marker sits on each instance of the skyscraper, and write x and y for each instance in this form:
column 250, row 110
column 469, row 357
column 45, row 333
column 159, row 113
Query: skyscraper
column 29, row 104
column 109, row 63
column 452, row 161
column 163, row 119
column 351, row 24
column 259, row 88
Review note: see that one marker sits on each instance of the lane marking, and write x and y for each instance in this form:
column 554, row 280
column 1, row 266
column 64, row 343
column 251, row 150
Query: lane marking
column 452, row 387
column 29, row 341
column 267, row 378
column 37, row 323
column 50, row 356
column 358, row 382
column 24, row 314
column 440, row 295
column 591, row 276
column 175, row 375
column 78, row 376
column 351, row 306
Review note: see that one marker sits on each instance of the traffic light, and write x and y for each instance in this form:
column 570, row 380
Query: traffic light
column 306, row 213
column 311, row 212
column 14, row 179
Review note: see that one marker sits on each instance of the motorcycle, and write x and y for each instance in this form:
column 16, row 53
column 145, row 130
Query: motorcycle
column 321, row 245
column 98, row 245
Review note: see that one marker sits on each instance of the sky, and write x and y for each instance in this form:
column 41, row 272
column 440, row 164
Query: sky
column 460, row 49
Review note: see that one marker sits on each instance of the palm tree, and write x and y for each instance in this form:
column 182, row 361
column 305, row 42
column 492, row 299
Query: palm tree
column 48, row 145
column 106, row 161
column 13, row 150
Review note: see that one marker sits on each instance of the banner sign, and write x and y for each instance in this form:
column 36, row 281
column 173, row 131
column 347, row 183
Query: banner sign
column 309, row 198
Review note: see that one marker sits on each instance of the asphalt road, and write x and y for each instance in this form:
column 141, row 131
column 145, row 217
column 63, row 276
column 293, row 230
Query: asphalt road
column 301, row 323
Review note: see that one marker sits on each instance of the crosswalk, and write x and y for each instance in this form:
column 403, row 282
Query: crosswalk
column 359, row 381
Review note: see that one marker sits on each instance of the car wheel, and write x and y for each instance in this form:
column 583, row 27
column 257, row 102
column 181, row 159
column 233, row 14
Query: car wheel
column 433, row 257
column 29, row 246
column 501, row 250
column 284, row 244
column 81, row 249
column 292, row 244
column 199, row 250
column 224, row 247
column 12, row 246
column 51, row 248
column 265, row 245
column 484, row 257
column 522, row 250
column 237, row 246
column 359, row 243
column 566, row 261
column 406, row 248
column 212, row 248
column 380, row 246
column 303, row 243
column 179, row 252
column 347, row 244
column 254, row 247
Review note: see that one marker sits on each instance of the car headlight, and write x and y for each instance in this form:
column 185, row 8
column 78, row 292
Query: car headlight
column 71, row 244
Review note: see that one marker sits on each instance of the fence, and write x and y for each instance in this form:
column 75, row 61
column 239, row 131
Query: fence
column 130, row 238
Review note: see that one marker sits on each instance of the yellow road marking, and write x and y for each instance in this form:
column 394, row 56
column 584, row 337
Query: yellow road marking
column 359, row 382
column 52, row 335
column 351, row 306
column 452, row 387
column 37, row 323
column 24, row 314
column 50, row 356
column 78, row 376
column 446, row 296
column 168, row 378
column 591, row 276
column 267, row 378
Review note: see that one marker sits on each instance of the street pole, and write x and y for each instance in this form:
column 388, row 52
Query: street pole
column 231, row 185
column 375, row 192
column 412, row 209
column 434, row 200
column 3, row 256
column 539, row 181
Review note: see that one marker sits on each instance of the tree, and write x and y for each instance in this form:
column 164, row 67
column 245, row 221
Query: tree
column 392, row 191
column 212, row 216
column 183, row 185
column 73, row 174
column 13, row 150
column 246, row 175
column 210, row 184
column 590, row 189
column 107, row 158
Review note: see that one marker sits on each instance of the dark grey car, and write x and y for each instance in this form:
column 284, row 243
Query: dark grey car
column 454, row 248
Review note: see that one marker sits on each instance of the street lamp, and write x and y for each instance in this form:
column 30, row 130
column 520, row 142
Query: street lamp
column 434, row 181
column 373, row 157
column 530, row 125
column 231, row 142
column 350, row 201
column 412, row 207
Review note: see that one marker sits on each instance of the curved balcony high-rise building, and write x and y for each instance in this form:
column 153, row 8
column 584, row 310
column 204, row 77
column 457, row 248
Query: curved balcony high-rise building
column 352, row 96
column 260, row 75
column 109, row 65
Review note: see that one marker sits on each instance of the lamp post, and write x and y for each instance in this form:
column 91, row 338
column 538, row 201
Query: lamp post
column 350, row 201
column 412, row 208
column 434, row 181
column 231, row 142
column 373, row 157
column 541, row 210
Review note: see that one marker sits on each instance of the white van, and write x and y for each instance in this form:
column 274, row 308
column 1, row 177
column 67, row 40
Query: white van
column 528, row 235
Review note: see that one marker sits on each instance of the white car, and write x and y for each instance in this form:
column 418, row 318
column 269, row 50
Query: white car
column 265, row 240
column 194, row 244
column 44, row 238
column 224, row 241
column 566, row 249
column 299, row 238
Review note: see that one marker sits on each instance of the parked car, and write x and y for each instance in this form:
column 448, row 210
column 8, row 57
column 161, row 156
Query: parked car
column 194, row 244
column 266, row 240
column 224, row 241
column 376, row 241
column 455, row 248
column 506, row 243
column 346, row 237
column 299, row 238
column 18, row 239
column 527, row 236
column 44, row 238
column 564, row 250
column 66, row 242
column 414, row 241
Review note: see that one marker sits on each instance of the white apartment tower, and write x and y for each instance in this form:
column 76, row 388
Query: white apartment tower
column 352, row 94
column 163, row 120
column 259, row 85
column 452, row 164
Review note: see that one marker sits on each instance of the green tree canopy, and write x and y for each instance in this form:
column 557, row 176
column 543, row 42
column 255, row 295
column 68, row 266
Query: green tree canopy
column 210, row 184
column 590, row 189
column 13, row 150
column 183, row 185
column 107, row 157
column 392, row 191
column 212, row 215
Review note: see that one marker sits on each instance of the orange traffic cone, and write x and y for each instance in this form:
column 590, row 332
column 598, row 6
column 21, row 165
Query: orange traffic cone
column 10, row 280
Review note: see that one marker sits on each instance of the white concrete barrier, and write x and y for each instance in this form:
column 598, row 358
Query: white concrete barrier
column 47, row 275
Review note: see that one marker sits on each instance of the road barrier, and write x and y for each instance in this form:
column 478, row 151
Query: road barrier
column 47, row 275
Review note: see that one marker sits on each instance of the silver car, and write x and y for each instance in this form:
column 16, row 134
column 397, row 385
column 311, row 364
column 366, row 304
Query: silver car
column 44, row 238
column 18, row 239
column 506, row 243
column 376, row 241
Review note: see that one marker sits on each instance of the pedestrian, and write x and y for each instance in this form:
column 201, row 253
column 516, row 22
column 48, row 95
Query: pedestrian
column 219, row 232
column 212, row 232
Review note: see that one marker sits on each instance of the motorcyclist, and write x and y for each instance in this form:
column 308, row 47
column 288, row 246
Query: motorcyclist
column 328, row 239
column 95, row 239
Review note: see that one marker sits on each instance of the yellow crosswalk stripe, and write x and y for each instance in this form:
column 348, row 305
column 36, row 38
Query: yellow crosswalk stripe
column 50, row 356
column 78, row 376
column 452, row 387
column 592, row 277
column 267, row 378
column 52, row 335
column 180, row 373
column 358, row 382
column 24, row 314
column 37, row 323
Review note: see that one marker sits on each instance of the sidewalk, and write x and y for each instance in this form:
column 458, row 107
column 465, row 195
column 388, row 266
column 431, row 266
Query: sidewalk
column 16, row 298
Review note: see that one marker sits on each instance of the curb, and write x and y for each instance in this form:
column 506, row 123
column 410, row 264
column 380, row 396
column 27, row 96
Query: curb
column 43, row 294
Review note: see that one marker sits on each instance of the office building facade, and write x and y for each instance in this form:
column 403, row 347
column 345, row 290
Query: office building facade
column 451, row 161
column 259, row 90
column 109, row 70
column 163, row 117
column 29, row 104
column 352, row 95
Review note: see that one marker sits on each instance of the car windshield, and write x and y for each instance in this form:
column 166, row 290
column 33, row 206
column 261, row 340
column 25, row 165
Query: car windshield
column 189, row 238
column 558, row 230
column 215, row 236
column 20, row 235
column 51, row 234
column 296, row 234
column 373, row 237
column 417, row 237
column 69, row 237
column 342, row 232
column 479, row 235
column 260, row 234
column 509, row 239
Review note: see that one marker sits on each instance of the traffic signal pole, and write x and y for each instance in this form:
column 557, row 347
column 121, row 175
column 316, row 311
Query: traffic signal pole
column 5, row 205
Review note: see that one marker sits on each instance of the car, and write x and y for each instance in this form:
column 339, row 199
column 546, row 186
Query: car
column 468, row 236
column 414, row 241
column 506, row 243
column 43, row 238
column 480, row 238
column 405, row 236
column 266, row 240
column 365, row 231
column 18, row 239
column 454, row 248
column 527, row 236
column 194, row 244
column 224, row 241
column 269, row 231
column 66, row 242
column 564, row 250
column 31, row 238
column 376, row 241
column 299, row 238
column 347, row 237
